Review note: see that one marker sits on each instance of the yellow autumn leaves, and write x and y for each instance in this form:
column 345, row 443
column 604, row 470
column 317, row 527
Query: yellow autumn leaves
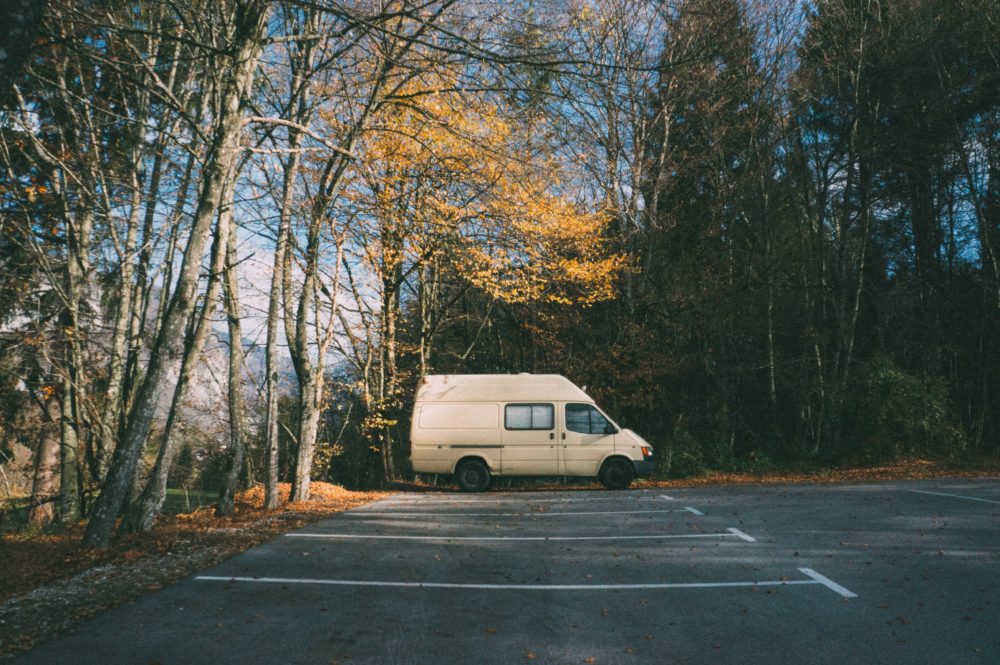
column 445, row 174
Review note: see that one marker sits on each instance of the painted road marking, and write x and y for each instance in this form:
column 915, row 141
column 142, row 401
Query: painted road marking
column 816, row 578
column 379, row 513
column 668, row 498
column 957, row 496
column 828, row 583
column 740, row 534
column 509, row 499
column 362, row 536
column 694, row 511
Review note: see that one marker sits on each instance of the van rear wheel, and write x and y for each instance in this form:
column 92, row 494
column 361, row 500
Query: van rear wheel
column 616, row 474
column 472, row 476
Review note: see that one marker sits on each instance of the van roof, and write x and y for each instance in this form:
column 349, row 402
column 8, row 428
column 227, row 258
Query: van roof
column 498, row 388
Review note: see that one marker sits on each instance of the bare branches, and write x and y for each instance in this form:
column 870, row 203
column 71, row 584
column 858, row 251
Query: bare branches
column 301, row 129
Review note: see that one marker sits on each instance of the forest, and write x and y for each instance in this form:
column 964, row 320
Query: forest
column 234, row 234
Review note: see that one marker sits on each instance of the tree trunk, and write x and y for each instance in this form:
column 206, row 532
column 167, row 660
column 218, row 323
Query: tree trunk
column 142, row 514
column 250, row 22
column 311, row 391
column 391, row 282
column 271, row 498
column 69, row 446
column 46, row 475
column 77, row 275
column 111, row 414
column 309, row 374
column 236, row 400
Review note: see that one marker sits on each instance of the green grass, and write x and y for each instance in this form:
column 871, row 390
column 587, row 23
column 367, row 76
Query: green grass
column 184, row 501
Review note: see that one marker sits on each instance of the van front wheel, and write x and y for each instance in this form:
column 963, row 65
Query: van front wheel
column 616, row 474
column 472, row 476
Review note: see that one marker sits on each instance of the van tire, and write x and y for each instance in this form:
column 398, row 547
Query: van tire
column 472, row 476
column 616, row 474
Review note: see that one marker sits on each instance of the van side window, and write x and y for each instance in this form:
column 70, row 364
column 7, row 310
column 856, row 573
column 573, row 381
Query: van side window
column 585, row 419
column 529, row 416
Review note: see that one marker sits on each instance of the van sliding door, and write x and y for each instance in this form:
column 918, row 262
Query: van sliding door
column 529, row 440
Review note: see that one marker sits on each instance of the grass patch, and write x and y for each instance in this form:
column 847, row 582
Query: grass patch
column 181, row 501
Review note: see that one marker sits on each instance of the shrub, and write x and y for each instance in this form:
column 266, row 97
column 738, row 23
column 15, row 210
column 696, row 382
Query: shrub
column 680, row 455
column 892, row 413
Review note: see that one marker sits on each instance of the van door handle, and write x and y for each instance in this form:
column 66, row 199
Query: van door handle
column 564, row 436
column 552, row 435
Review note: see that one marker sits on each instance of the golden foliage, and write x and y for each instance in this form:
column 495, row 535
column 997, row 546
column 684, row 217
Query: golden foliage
column 447, row 174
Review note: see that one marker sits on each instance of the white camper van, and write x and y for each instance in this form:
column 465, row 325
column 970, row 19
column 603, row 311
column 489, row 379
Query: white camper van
column 479, row 426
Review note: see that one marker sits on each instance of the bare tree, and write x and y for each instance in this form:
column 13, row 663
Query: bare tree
column 248, row 20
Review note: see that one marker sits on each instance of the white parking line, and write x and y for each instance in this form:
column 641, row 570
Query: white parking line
column 828, row 583
column 378, row 513
column 510, row 498
column 816, row 579
column 668, row 498
column 694, row 511
column 957, row 496
column 740, row 534
column 362, row 536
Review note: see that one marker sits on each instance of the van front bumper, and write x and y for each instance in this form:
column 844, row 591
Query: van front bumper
column 643, row 468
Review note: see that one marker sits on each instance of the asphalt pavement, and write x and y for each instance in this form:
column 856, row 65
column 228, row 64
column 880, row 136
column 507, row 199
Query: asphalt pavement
column 902, row 572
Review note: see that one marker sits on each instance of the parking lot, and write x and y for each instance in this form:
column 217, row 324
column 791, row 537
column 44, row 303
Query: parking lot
column 903, row 572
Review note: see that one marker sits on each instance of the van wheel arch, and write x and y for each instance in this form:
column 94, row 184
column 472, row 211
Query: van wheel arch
column 473, row 474
column 616, row 473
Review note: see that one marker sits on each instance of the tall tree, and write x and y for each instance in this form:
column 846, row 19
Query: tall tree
column 248, row 20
